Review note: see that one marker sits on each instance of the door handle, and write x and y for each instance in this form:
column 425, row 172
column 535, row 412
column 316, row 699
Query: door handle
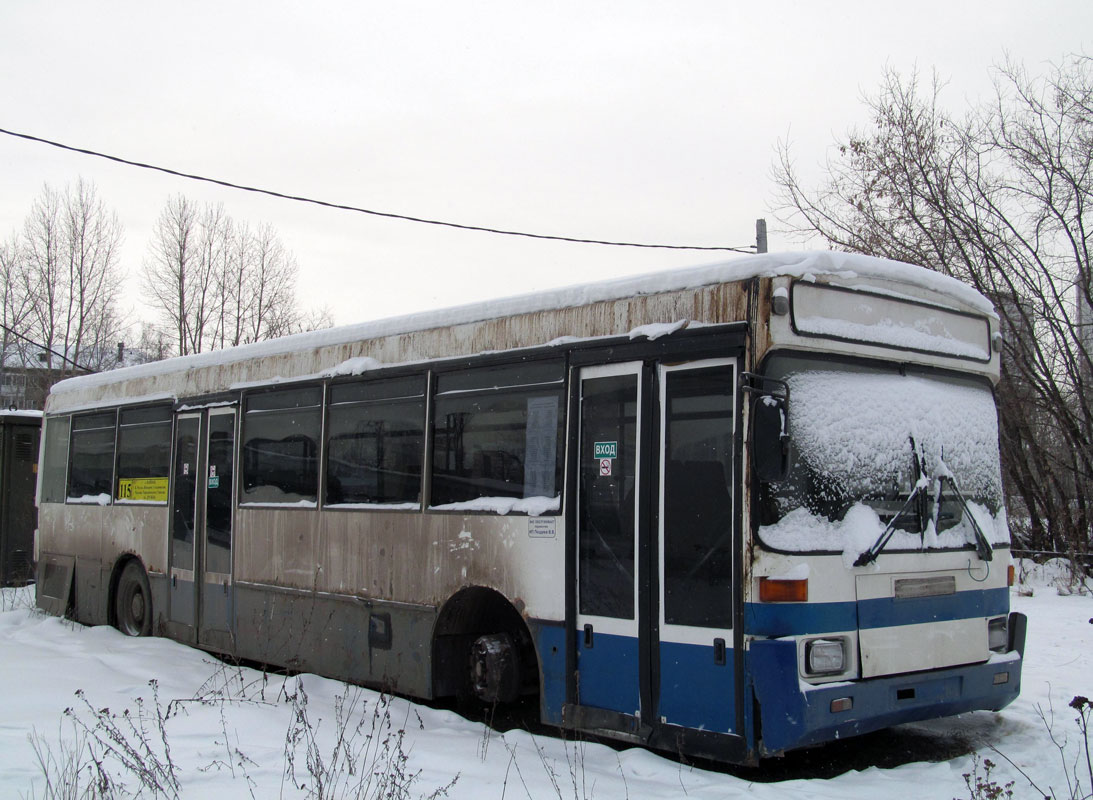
column 719, row 652
column 588, row 636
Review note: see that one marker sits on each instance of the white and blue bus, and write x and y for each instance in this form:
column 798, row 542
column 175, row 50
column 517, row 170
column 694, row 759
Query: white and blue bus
column 726, row 511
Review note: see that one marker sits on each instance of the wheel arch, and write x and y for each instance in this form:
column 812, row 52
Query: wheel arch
column 471, row 612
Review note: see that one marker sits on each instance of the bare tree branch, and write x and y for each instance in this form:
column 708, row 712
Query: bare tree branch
column 219, row 283
column 1000, row 198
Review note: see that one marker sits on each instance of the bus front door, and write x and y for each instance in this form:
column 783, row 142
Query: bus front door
column 202, row 510
column 655, row 543
column 608, row 659
column 695, row 546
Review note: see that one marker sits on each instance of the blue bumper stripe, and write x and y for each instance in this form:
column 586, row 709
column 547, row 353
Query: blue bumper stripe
column 786, row 619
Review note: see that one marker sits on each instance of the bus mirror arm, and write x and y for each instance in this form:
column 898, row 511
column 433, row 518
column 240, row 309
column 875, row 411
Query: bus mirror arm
column 772, row 453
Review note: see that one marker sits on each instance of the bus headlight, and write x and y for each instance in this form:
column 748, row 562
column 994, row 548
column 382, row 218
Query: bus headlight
column 825, row 656
column 998, row 638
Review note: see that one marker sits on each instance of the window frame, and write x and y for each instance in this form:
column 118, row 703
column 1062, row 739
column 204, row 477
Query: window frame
column 51, row 489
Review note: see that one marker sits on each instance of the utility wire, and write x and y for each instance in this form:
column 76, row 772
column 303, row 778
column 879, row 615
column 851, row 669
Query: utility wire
column 46, row 349
column 386, row 214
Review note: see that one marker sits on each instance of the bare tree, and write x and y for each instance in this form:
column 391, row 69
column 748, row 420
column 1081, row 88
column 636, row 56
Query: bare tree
column 153, row 344
column 14, row 314
column 274, row 311
column 219, row 283
column 1002, row 198
column 203, row 300
column 68, row 272
column 92, row 242
column 235, row 294
column 314, row 319
column 169, row 267
column 184, row 268
column 40, row 267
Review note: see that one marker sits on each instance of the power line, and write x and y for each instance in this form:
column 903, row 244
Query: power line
column 385, row 214
column 41, row 346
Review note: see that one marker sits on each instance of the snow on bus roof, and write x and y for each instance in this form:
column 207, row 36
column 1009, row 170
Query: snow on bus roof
column 800, row 264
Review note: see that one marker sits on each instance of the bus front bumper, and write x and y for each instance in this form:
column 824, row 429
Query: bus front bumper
column 794, row 714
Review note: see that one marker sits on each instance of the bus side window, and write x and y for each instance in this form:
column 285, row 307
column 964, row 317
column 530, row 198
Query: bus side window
column 144, row 453
column 54, row 465
column 496, row 433
column 91, row 465
column 376, row 433
column 280, row 455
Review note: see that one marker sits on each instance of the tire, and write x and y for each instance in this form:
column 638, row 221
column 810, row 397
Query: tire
column 133, row 602
column 495, row 669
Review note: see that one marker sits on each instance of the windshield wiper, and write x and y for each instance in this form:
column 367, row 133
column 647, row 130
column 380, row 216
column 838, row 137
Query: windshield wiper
column 920, row 494
column 870, row 555
column 983, row 547
column 917, row 498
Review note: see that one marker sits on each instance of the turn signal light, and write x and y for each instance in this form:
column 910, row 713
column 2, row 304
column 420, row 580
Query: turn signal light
column 773, row 590
column 1011, row 574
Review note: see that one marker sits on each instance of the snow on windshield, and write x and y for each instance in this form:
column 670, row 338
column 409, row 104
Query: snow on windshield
column 852, row 431
column 857, row 428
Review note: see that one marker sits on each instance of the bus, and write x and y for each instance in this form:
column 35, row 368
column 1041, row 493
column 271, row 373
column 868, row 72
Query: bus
column 725, row 511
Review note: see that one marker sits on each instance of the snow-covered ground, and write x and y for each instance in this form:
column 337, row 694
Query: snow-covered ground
column 229, row 729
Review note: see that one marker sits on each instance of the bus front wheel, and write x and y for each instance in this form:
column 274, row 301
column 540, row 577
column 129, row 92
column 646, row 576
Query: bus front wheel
column 495, row 668
column 133, row 602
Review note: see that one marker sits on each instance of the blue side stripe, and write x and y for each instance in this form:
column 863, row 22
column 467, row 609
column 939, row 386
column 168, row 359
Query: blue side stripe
column 787, row 619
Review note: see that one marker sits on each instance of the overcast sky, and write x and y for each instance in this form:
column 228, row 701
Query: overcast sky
column 635, row 121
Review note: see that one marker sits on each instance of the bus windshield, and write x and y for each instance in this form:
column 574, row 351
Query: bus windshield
column 864, row 436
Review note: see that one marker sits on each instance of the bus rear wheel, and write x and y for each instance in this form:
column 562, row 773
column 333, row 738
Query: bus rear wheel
column 133, row 602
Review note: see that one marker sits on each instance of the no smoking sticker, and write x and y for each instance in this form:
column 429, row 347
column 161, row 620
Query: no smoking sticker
column 605, row 467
